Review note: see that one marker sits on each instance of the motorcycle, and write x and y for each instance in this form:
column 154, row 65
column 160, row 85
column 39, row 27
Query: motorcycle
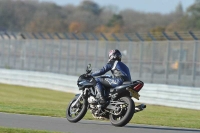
column 119, row 108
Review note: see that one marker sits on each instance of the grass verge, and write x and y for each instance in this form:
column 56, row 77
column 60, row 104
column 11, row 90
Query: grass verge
column 16, row 130
column 36, row 101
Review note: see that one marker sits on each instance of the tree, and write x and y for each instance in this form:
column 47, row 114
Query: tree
column 179, row 9
column 102, row 28
column 75, row 27
column 35, row 16
column 116, row 19
column 193, row 15
column 116, row 29
column 91, row 7
column 47, row 18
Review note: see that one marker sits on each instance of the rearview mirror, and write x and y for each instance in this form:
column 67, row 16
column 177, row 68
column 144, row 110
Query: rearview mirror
column 88, row 69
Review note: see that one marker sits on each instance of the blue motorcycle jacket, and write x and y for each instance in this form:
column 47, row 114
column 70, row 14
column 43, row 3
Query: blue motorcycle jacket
column 118, row 69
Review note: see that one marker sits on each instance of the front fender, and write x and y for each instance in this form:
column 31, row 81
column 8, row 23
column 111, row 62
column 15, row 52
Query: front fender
column 77, row 95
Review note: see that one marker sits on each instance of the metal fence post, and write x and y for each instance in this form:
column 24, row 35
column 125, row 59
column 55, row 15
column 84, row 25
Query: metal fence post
column 9, row 51
column 15, row 58
column 96, row 54
column 33, row 42
column 194, row 63
column 52, row 56
column 152, row 56
column 194, row 58
column 153, row 62
column 7, row 35
column 86, row 49
column 68, row 53
column 141, row 54
column 50, row 36
column 13, row 35
column 41, row 35
column 23, row 54
column 43, row 58
column 1, row 55
column 141, row 59
column 14, row 54
column 168, row 56
column 60, row 54
column 115, row 37
column 76, row 62
column 130, row 50
column 1, row 36
column 77, row 49
column 167, row 62
column 68, row 56
column 58, row 36
column 180, row 63
column 106, row 52
column 28, row 56
column 105, row 39
column 36, row 55
column 35, row 36
column 180, row 57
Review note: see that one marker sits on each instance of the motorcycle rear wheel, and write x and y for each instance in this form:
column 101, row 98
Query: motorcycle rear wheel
column 76, row 113
column 127, row 112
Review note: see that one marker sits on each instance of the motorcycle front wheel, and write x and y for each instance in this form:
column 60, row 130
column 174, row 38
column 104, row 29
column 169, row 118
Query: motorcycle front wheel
column 76, row 113
column 124, row 113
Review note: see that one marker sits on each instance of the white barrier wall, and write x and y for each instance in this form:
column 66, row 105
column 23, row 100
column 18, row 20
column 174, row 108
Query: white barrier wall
column 175, row 96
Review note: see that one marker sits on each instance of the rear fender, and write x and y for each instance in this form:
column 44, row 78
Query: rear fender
column 121, row 94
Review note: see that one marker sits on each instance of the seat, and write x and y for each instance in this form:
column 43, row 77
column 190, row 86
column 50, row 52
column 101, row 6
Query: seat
column 127, row 82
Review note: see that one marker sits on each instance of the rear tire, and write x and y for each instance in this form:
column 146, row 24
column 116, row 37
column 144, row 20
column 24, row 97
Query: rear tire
column 126, row 114
column 79, row 110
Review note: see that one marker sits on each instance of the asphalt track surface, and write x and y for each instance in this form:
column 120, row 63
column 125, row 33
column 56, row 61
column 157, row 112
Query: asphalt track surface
column 84, row 126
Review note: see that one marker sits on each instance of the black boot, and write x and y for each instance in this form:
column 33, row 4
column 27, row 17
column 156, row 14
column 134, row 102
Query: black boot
column 101, row 97
column 102, row 100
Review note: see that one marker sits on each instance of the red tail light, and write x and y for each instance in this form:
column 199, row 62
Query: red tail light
column 138, row 85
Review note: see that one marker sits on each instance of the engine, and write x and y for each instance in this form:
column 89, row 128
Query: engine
column 91, row 100
column 96, row 109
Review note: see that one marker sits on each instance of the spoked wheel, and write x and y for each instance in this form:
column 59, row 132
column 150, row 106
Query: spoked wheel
column 77, row 112
column 123, row 113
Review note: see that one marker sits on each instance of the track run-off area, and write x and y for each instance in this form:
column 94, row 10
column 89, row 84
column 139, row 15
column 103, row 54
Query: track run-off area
column 84, row 126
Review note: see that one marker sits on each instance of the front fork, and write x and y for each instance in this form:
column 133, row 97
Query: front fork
column 78, row 96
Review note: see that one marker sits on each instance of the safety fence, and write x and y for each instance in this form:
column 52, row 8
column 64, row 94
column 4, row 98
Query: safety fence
column 142, row 36
column 167, row 95
column 159, row 62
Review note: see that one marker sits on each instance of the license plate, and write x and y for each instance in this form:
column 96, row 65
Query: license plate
column 134, row 94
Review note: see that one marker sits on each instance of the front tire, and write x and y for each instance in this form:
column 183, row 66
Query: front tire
column 76, row 113
column 126, row 114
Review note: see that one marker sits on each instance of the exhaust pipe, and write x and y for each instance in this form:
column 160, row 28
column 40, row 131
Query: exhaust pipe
column 140, row 108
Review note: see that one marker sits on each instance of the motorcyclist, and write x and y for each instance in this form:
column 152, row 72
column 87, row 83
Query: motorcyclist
column 119, row 70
